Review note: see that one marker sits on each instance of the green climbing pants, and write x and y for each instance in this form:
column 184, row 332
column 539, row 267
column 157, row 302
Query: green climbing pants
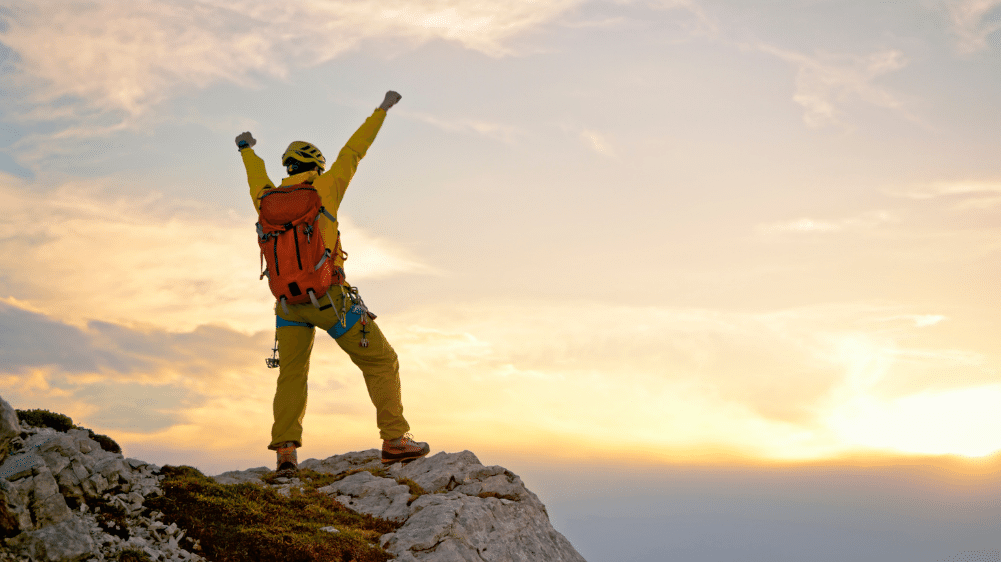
column 378, row 363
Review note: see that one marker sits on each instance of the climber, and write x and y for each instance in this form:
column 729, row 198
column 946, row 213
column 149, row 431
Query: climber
column 337, row 309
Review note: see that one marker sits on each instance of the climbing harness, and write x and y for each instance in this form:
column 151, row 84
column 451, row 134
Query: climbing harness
column 366, row 316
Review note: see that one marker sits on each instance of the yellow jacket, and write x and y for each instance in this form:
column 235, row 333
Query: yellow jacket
column 331, row 184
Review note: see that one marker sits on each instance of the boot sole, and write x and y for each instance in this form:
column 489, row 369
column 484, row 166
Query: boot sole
column 404, row 457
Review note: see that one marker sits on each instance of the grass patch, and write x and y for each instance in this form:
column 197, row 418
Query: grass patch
column 247, row 522
column 416, row 490
column 133, row 555
column 316, row 479
column 496, row 495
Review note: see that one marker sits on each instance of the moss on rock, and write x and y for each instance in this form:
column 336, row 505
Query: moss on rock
column 133, row 555
column 248, row 522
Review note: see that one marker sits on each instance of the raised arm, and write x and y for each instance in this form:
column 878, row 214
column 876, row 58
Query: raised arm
column 257, row 174
column 343, row 169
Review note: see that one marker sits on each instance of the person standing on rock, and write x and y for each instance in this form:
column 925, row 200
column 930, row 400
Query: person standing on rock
column 337, row 308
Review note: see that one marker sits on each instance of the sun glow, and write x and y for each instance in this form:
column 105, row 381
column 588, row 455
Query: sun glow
column 961, row 422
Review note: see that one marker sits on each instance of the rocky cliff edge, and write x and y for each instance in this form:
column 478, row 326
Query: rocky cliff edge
column 65, row 499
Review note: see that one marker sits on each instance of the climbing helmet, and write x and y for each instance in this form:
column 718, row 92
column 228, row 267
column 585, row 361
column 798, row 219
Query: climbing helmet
column 300, row 151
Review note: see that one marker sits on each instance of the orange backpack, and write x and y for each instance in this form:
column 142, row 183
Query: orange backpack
column 299, row 265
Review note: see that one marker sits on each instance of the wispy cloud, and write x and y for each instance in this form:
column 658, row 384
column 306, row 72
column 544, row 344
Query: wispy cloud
column 376, row 257
column 603, row 23
column 972, row 24
column 127, row 260
column 965, row 194
column 701, row 24
column 919, row 320
column 598, row 143
column 825, row 82
column 691, row 21
column 125, row 57
column 808, row 225
column 498, row 131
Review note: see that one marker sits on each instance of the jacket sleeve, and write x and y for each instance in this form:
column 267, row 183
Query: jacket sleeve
column 337, row 178
column 257, row 175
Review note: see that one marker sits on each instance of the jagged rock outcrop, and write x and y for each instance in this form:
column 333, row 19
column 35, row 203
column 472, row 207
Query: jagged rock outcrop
column 9, row 427
column 65, row 499
column 469, row 512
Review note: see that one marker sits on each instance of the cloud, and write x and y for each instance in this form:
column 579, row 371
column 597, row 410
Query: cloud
column 32, row 340
column 919, row 320
column 497, row 131
column 972, row 24
column 158, row 261
column 698, row 22
column 827, row 81
column 202, row 389
column 377, row 258
column 123, row 58
column 597, row 142
column 810, row 226
column 605, row 378
column 701, row 24
column 765, row 382
column 965, row 194
column 119, row 377
column 603, row 23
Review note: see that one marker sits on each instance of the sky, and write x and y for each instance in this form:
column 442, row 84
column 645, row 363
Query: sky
column 703, row 241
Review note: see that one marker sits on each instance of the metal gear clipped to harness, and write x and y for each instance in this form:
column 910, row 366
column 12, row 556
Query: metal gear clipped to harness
column 273, row 360
column 366, row 315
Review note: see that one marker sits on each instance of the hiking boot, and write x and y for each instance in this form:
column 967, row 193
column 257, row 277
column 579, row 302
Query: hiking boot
column 403, row 449
column 288, row 462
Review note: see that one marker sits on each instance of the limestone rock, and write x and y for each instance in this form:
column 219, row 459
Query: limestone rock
column 252, row 475
column 20, row 465
column 10, row 427
column 372, row 458
column 67, row 541
column 470, row 512
column 478, row 513
column 454, row 526
column 445, row 472
column 45, row 489
column 19, row 501
column 47, row 504
column 365, row 493
column 12, row 511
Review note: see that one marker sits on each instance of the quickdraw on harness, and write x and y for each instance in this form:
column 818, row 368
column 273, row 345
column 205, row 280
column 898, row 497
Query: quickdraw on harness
column 366, row 315
column 352, row 306
column 273, row 360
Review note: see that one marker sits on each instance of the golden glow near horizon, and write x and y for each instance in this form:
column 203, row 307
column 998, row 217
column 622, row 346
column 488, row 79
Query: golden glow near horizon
column 774, row 246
